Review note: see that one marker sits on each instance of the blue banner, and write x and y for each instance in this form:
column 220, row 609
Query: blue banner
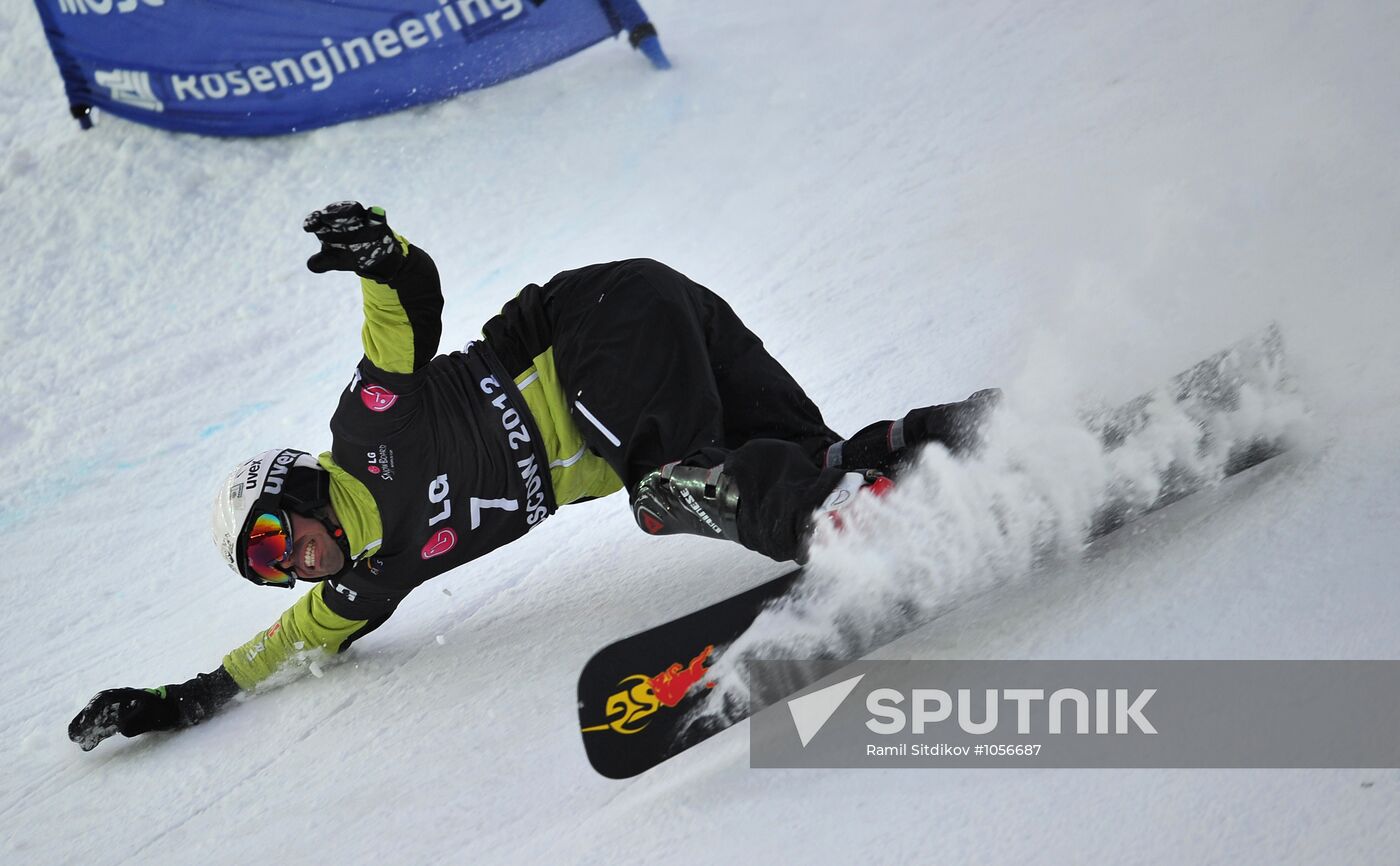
column 262, row 67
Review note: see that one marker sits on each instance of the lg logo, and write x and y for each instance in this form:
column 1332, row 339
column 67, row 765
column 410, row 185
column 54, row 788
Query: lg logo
column 446, row 538
column 442, row 541
column 377, row 398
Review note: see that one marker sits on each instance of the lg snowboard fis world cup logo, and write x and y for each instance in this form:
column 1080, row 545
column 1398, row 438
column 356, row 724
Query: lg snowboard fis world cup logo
column 642, row 696
column 381, row 463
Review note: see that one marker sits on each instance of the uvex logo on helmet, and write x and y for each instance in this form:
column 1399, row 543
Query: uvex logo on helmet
column 377, row 398
column 250, row 479
column 278, row 472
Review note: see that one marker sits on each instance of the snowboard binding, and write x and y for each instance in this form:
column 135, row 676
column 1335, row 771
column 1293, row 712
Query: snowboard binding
column 692, row 500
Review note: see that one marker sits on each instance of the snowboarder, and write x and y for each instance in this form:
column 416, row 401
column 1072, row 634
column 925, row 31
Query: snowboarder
column 626, row 375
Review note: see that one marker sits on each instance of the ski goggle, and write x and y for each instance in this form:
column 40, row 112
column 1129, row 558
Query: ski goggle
column 267, row 553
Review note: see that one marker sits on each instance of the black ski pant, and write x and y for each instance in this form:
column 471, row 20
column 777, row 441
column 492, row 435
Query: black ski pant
column 656, row 368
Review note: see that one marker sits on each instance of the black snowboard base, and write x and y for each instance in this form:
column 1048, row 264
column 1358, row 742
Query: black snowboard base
column 635, row 695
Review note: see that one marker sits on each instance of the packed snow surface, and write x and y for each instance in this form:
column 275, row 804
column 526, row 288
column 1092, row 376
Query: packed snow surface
column 909, row 202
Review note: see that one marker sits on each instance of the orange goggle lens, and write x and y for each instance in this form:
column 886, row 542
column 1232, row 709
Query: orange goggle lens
column 268, row 553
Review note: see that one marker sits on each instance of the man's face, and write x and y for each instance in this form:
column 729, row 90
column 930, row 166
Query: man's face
column 315, row 554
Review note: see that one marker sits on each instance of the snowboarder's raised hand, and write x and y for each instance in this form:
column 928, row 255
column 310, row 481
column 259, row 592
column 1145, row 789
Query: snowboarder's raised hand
column 354, row 238
column 132, row 712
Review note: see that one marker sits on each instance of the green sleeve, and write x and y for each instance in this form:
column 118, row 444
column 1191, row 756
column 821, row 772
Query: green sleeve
column 387, row 334
column 309, row 624
column 403, row 319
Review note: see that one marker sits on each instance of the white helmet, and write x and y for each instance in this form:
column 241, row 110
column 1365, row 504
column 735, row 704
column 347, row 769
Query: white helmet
column 271, row 484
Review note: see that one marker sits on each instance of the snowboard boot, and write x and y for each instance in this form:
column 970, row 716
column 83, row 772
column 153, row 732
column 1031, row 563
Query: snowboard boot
column 889, row 446
column 693, row 500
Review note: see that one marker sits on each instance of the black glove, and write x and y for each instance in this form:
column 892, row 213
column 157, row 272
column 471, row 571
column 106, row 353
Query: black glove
column 354, row 239
column 132, row 712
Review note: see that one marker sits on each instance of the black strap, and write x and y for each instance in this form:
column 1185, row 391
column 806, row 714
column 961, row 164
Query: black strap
column 640, row 32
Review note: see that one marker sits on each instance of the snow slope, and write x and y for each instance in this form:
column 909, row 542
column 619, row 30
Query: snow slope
column 909, row 202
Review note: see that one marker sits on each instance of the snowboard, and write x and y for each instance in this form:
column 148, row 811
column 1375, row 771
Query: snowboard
column 635, row 695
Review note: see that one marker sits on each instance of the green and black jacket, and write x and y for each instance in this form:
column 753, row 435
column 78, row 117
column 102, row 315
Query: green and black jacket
column 435, row 461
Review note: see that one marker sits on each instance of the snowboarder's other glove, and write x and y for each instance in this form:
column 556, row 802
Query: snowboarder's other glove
column 132, row 712
column 356, row 239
